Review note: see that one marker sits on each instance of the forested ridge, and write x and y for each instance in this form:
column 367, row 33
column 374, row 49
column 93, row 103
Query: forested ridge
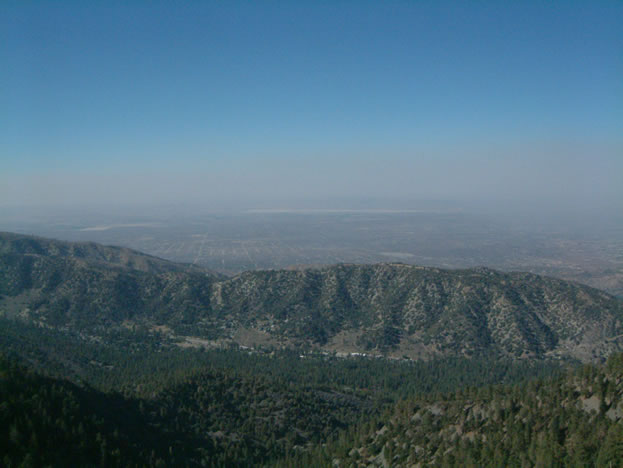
column 218, row 417
column 112, row 358
column 571, row 420
column 140, row 402
column 393, row 310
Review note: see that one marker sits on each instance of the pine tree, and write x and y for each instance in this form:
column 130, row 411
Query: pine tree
column 611, row 452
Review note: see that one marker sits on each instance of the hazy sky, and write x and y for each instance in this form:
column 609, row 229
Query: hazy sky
column 283, row 101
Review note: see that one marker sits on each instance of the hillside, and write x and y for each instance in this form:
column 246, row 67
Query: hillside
column 213, row 418
column 576, row 420
column 422, row 312
column 89, row 286
column 82, row 253
column 391, row 309
column 230, row 418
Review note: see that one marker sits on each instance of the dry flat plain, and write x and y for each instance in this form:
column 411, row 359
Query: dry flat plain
column 231, row 243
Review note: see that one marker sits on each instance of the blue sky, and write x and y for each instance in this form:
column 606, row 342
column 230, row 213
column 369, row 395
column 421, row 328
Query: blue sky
column 451, row 100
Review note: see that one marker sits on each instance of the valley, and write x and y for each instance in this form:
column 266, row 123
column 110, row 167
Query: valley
column 446, row 237
column 294, row 367
column 311, row 234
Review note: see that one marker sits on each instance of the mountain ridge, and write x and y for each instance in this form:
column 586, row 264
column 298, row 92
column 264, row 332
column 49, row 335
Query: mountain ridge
column 22, row 244
column 391, row 309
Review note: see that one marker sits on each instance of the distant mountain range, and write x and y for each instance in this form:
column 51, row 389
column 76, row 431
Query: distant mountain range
column 387, row 309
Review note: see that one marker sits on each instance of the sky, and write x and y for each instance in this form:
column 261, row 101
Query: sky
column 260, row 103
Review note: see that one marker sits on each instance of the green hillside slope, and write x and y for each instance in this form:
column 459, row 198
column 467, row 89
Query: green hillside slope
column 575, row 420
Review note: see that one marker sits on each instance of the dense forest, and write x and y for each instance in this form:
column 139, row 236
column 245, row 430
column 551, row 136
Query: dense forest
column 144, row 385
column 124, row 402
column 570, row 420
column 230, row 417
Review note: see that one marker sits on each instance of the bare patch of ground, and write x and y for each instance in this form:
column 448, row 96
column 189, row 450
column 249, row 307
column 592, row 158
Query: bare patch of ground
column 345, row 342
column 253, row 338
